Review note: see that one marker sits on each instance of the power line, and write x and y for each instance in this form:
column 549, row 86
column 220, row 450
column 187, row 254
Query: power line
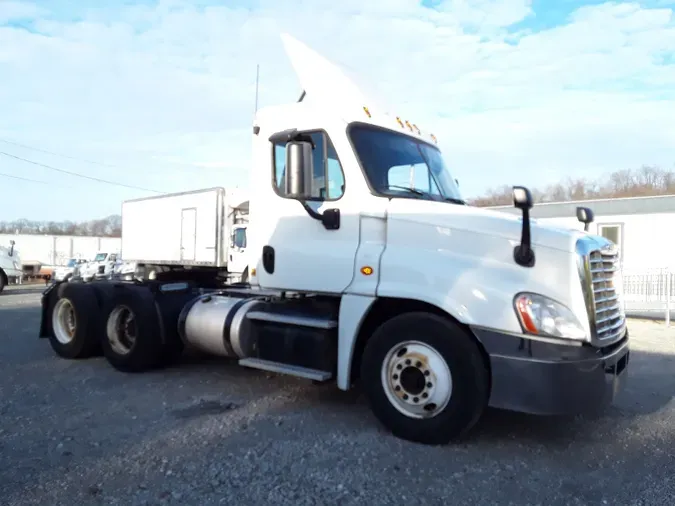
column 22, row 178
column 78, row 159
column 99, row 180
column 32, row 148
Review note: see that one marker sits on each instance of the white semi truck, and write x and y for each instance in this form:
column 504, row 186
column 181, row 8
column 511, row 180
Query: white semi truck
column 438, row 309
column 11, row 269
column 203, row 231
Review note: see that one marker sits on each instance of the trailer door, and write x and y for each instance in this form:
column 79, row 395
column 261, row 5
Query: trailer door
column 188, row 234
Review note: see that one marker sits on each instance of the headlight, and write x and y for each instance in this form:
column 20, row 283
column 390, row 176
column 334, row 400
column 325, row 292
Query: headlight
column 542, row 316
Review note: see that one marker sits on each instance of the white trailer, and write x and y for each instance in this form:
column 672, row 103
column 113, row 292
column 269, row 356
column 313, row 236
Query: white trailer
column 202, row 230
column 437, row 308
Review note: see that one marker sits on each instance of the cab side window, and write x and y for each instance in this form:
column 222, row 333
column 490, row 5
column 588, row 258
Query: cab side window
column 239, row 238
column 328, row 181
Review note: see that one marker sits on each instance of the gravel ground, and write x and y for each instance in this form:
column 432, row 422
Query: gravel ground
column 209, row 432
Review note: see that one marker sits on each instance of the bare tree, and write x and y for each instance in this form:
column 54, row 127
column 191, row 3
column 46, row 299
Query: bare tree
column 644, row 182
column 110, row 226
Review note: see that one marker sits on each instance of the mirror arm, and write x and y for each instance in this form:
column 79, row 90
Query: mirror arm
column 326, row 221
column 291, row 135
column 311, row 211
column 523, row 253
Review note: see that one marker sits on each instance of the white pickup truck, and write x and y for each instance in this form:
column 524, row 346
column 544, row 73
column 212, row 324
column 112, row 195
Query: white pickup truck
column 65, row 272
column 101, row 267
column 10, row 265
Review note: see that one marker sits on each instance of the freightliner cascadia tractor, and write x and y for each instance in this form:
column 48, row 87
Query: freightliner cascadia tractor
column 367, row 267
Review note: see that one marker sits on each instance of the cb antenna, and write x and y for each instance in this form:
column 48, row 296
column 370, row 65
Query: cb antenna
column 257, row 80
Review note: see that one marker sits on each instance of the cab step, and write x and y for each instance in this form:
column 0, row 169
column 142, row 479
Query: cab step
column 289, row 369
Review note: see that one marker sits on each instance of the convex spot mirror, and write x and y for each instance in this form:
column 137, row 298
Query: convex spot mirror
column 522, row 198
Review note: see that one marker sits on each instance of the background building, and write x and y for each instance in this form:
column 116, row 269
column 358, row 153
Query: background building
column 54, row 250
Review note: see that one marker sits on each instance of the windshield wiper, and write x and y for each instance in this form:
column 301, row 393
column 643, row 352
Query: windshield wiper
column 455, row 201
column 406, row 188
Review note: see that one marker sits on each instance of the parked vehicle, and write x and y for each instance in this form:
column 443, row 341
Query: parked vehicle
column 101, row 267
column 203, row 231
column 65, row 272
column 10, row 265
column 437, row 308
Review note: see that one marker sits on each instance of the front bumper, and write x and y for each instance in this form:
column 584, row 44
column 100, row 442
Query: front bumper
column 545, row 378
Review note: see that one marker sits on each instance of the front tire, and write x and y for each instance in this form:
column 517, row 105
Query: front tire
column 425, row 378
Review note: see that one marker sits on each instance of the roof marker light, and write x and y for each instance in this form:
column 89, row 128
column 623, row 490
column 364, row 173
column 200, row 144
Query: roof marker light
column 433, row 138
column 400, row 122
column 407, row 123
column 365, row 109
column 417, row 129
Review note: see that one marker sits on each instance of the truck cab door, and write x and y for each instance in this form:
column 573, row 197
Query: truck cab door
column 298, row 252
column 237, row 260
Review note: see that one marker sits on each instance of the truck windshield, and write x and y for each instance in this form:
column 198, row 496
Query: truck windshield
column 100, row 257
column 71, row 263
column 397, row 165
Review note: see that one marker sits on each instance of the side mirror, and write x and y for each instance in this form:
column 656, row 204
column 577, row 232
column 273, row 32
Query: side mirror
column 11, row 247
column 523, row 254
column 299, row 169
column 585, row 216
column 522, row 198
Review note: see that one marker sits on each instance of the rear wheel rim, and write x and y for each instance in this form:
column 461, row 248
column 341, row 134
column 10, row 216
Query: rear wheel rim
column 64, row 321
column 121, row 329
column 416, row 379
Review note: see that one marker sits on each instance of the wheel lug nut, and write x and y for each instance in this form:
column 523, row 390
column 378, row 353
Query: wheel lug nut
column 408, row 362
column 405, row 397
column 429, row 385
column 427, row 373
column 418, row 364
column 399, row 367
column 395, row 376
column 425, row 395
column 397, row 388
column 416, row 399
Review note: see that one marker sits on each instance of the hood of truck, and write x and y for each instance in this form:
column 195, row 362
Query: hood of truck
column 476, row 220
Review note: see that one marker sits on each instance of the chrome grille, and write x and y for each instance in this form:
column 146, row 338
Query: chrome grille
column 607, row 316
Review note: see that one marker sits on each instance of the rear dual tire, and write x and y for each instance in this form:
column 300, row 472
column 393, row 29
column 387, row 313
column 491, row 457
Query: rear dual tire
column 141, row 331
column 425, row 377
column 76, row 322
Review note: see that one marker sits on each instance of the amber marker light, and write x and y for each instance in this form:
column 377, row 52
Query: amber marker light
column 523, row 304
column 366, row 270
column 365, row 109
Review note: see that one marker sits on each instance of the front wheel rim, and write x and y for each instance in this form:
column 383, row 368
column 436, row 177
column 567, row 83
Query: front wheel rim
column 416, row 379
column 64, row 322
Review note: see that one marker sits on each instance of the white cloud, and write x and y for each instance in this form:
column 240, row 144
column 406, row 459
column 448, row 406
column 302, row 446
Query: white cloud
column 157, row 87
column 17, row 11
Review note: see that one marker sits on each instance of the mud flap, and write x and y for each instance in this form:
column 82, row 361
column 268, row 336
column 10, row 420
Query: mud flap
column 48, row 300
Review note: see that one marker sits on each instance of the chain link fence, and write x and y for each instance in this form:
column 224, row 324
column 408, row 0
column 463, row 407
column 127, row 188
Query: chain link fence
column 649, row 293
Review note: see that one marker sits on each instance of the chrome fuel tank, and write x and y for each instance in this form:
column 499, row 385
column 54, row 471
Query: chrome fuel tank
column 217, row 324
